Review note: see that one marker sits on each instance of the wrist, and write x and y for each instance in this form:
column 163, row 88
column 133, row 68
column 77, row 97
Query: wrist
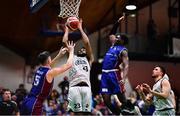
column 151, row 91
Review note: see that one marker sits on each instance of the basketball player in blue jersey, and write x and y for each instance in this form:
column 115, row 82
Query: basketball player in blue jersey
column 114, row 72
column 79, row 96
column 43, row 80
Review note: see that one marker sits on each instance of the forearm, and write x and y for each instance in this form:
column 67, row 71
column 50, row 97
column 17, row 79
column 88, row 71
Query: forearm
column 84, row 37
column 87, row 45
column 125, row 72
column 125, row 65
column 70, row 59
column 114, row 29
column 144, row 98
column 160, row 95
column 55, row 59
column 65, row 37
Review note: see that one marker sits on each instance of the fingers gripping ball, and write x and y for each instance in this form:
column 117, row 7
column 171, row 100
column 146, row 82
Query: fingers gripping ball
column 72, row 23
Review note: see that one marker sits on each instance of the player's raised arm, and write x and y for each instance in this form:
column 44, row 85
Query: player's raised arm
column 116, row 25
column 56, row 71
column 86, row 43
column 62, row 51
column 65, row 37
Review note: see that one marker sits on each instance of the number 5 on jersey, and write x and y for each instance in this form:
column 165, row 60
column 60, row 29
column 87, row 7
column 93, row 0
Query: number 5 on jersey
column 36, row 80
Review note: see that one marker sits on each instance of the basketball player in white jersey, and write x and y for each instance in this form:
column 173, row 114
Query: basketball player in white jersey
column 79, row 96
column 160, row 94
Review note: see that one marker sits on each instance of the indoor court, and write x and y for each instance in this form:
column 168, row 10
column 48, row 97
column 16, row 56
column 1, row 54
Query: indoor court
column 152, row 30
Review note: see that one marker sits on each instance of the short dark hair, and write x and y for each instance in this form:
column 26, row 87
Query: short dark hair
column 42, row 57
column 4, row 90
column 163, row 70
column 123, row 37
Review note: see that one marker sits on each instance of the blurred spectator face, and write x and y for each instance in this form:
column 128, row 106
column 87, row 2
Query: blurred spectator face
column 54, row 93
column 14, row 97
column 7, row 96
column 21, row 86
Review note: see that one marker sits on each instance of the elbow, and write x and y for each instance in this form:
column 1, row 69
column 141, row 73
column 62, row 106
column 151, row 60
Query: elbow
column 69, row 65
column 165, row 96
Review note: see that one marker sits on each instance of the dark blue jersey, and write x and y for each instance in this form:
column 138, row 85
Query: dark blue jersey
column 113, row 59
column 111, row 74
column 41, row 88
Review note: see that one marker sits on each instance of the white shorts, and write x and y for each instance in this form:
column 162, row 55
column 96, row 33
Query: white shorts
column 79, row 99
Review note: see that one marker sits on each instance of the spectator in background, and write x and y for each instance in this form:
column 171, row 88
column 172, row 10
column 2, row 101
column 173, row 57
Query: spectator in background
column 7, row 106
column 64, row 85
column 21, row 92
column 51, row 108
column 1, row 90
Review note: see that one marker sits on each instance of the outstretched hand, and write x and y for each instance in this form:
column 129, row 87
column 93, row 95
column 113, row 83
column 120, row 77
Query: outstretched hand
column 122, row 17
column 62, row 51
column 139, row 88
column 70, row 46
column 146, row 87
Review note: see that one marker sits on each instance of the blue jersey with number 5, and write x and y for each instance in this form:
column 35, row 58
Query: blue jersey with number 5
column 40, row 85
column 41, row 88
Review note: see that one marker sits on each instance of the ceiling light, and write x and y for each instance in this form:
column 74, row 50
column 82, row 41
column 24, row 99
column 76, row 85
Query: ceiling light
column 131, row 7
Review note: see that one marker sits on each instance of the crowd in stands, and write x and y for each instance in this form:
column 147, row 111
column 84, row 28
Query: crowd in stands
column 56, row 103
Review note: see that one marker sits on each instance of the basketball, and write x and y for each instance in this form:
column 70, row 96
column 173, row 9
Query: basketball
column 72, row 23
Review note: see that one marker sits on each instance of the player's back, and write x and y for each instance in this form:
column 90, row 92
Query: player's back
column 40, row 87
column 112, row 59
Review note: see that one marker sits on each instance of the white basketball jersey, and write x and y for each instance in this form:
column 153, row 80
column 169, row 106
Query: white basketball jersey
column 161, row 103
column 80, row 71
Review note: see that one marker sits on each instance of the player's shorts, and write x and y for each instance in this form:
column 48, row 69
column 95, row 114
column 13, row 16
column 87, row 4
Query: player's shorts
column 168, row 112
column 31, row 106
column 79, row 99
column 110, row 83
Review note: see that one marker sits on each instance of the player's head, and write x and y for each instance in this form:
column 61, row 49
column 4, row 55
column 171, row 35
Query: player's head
column 121, row 39
column 158, row 71
column 82, row 52
column 112, row 38
column 44, row 58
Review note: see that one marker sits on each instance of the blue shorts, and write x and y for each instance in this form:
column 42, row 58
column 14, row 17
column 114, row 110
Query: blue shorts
column 31, row 106
column 110, row 83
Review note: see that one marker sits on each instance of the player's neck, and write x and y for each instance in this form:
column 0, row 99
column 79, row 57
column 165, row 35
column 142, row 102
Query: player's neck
column 157, row 78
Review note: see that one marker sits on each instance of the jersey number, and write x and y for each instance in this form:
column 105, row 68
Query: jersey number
column 36, row 80
column 85, row 68
column 77, row 105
